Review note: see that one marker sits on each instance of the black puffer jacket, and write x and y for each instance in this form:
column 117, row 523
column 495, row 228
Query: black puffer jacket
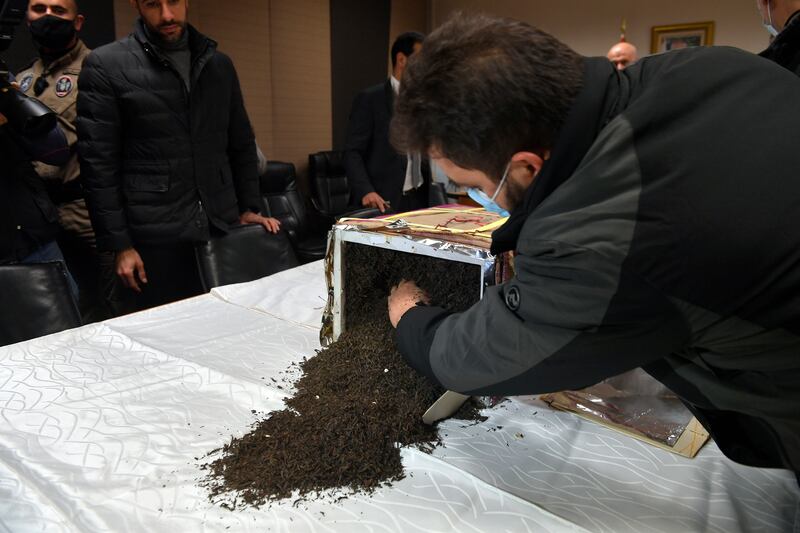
column 158, row 163
column 28, row 219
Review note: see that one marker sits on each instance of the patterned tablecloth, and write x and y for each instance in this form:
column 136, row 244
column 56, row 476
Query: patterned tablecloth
column 103, row 428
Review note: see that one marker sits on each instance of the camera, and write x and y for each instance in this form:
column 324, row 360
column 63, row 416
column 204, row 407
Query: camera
column 12, row 12
column 26, row 115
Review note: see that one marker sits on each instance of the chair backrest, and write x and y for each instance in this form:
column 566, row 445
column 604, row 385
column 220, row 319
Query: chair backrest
column 283, row 201
column 37, row 301
column 245, row 253
column 330, row 190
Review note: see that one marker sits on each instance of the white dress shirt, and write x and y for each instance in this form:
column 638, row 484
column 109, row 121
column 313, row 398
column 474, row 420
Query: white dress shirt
column 414, row 167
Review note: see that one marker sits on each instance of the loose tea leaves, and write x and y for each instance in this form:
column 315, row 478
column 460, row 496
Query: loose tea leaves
column 357, row 401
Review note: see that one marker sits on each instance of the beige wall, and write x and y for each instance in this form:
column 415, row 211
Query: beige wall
column 300, row 37
column 124, row 15
column 281, row 50
column 591, row 27
column 407, row 15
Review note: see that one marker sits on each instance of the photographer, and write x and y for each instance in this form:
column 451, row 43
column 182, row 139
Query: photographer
column 54, row 26
column 28, row 218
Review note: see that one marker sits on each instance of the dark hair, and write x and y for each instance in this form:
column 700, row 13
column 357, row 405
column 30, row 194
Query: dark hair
column 483, row 89
column 405, row 44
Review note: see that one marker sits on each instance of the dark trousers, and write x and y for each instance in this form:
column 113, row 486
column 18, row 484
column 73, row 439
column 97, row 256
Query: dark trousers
column 416, row 199
column 172, row 275
column 89, row 268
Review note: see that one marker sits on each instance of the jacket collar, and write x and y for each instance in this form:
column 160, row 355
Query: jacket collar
column 202, row 47
column 68, row 58
column 604, row 95
column 389, row 90
column 786, row 43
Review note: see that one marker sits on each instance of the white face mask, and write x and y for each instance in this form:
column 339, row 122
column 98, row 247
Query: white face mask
column 768, row 24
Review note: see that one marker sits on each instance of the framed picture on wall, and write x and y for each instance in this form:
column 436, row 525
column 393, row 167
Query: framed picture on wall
column 675, row 36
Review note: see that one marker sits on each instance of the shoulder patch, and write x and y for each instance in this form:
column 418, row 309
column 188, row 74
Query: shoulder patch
column 26, row 82
column 64, row 86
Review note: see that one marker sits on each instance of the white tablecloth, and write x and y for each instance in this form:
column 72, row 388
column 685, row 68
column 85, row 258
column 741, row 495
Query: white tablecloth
column 102, row 429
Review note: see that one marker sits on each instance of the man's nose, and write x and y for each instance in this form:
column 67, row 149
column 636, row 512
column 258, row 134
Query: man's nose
column 166, row 13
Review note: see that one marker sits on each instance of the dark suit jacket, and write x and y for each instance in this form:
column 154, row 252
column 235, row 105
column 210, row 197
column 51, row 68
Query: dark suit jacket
column 372, row 164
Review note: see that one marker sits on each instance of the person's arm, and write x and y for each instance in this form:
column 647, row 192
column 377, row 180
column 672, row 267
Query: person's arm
column 242, row 151
column 566, row 321
column 100, row 132
column 359, row 139
column 244, row 160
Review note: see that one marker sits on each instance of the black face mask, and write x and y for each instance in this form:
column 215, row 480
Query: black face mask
column 53, row 33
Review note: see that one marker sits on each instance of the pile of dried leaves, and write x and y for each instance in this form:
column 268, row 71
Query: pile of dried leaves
column 357, row 401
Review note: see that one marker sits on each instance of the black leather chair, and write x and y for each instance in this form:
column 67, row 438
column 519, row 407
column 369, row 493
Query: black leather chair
column 246, row 253
column 283, row 201
column 37, row 301
column 330, row 191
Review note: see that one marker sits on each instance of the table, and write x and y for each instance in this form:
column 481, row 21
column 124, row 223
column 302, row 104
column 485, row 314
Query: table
column 102, row 428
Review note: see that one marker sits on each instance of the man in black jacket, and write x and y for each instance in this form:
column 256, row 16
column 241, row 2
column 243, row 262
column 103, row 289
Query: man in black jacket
column 654, row 226
column 168, row 155
column 378, row 175
column 782, row 20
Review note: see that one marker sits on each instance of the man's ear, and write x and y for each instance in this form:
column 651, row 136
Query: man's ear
column 534, row 162
column 79, row 20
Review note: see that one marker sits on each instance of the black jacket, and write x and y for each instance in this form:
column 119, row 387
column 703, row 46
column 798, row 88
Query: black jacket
column 662, row 233
column 785, row 48
column 371, row 162
column 28, row 219
column 160, row 163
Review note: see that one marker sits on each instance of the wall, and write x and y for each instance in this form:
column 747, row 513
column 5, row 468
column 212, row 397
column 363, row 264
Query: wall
column 359, row 33
column 592, row 27
column 281, row 49
column 407, row 15
column 301, row 79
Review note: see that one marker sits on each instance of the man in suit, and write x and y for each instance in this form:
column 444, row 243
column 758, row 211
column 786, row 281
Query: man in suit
column 379, row 176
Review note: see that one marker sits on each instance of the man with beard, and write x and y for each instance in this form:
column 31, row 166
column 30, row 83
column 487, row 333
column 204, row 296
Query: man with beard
column 53, row 78
column 167, row 151
column 653, row 226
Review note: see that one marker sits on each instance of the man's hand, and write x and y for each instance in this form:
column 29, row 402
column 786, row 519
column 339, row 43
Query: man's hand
column 273, row 225
column 404, row 297
column 130, row 267
column 374, row 200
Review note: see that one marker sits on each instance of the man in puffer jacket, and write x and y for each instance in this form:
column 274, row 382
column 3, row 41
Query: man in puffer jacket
column 654, row 212
column 168, row 155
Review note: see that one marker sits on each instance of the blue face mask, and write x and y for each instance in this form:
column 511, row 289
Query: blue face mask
column 489, row 203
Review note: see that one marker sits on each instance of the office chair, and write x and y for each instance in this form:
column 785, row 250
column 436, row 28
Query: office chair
column 245, row 253
column 37, row 301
